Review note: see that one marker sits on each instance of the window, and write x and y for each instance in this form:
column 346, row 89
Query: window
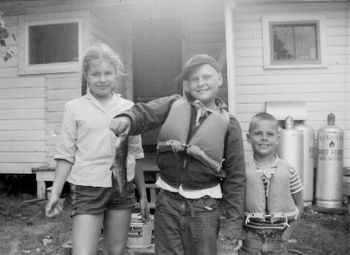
column 49, row 45
column 54, row 43
column 293, row 42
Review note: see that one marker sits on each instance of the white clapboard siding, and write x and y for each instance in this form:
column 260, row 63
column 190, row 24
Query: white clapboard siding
column 21, row 135
column 22, row 157
column 18, row 167
column 60, row 88
column 31, row 106
column 285, row 88
column 336, row 65
column 324, row 90
column 27, row 103
column 54, row 117
column 22, row 115
column 21, row 146
column 21, row 92
column 55, row 105
column 21, row 82
column 329, row 106
column 64, row 95
column 22, row 124
column 8, row 71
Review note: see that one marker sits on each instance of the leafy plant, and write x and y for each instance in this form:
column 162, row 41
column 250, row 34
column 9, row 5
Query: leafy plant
column 5, row 52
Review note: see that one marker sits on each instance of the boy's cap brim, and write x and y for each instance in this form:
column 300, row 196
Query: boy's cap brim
column 196, row 61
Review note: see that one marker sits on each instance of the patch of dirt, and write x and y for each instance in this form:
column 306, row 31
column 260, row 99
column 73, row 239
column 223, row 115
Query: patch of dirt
column 24, row 229
column 322, row 233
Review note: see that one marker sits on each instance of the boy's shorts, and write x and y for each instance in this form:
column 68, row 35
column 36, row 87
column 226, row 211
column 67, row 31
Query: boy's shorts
column 96, row 200
column 262, row 241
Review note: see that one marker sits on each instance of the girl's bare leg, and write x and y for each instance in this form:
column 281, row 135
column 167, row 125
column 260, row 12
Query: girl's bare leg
column 85, row 234
column 116, row 229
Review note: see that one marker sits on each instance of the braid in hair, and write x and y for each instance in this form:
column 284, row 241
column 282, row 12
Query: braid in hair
column 83, row 85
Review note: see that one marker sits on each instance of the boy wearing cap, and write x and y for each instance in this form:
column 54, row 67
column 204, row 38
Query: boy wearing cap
column 201, row 161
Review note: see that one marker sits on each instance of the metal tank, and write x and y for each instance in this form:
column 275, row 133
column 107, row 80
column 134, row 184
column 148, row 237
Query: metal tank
column 329, row 173
column 308, row 167
column 290, row 147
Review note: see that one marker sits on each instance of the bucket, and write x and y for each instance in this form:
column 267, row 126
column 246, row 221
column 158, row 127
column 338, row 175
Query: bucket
column 140, row 234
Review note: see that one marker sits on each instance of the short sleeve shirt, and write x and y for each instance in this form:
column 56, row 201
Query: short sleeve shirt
column 295, row 182
column 89, row 144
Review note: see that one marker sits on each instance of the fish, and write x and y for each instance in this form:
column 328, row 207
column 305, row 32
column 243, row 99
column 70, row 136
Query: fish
column 119, row 166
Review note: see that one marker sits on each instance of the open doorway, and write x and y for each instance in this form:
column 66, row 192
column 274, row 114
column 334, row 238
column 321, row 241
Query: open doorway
column 157, row 60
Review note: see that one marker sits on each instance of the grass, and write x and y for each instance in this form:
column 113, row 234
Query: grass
column 24, row 229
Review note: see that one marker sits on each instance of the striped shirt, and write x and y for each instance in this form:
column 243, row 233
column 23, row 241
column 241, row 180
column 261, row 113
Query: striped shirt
column 266, row 173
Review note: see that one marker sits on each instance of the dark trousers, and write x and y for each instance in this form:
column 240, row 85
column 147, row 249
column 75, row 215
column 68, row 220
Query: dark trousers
column 186, row 226
column 262, row 242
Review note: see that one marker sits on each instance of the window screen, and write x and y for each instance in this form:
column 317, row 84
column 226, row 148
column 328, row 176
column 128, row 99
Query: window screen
column 294, row 43
column 53, row 43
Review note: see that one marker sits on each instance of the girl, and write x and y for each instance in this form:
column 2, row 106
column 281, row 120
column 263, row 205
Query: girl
column 86, row 153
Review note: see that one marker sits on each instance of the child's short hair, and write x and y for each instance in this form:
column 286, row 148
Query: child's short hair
column 262, row 116
column 100, row 51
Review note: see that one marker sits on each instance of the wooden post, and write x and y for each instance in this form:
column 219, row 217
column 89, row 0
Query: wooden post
column 43, row 174
column 230, row 57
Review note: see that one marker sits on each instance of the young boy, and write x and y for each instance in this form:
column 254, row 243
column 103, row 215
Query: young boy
column 201, row 161
column 273, row 192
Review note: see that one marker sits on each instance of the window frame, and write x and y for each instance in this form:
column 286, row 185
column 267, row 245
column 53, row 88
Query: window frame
column 269, row 21
column 61, row 67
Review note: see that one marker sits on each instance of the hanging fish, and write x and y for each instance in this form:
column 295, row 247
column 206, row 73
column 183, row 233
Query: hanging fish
column 119, row 166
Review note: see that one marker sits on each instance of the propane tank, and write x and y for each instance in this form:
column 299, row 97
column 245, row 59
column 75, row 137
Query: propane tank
column 308, row 151
column 329, row 174
column 290, row 147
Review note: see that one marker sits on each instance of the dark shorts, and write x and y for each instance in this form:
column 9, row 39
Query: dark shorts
column 96, row 200
column 258, row 242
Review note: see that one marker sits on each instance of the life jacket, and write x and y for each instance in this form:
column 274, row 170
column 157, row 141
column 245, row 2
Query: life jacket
column 206, row 144
column 275, row 208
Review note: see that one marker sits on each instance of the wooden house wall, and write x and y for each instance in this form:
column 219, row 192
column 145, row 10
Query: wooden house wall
column 22, row 114
column 59, row 89
column 324, row 90
column 31, row 106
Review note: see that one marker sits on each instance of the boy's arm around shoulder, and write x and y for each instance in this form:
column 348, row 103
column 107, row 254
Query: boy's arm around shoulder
column 233, row 186
column 150, row 115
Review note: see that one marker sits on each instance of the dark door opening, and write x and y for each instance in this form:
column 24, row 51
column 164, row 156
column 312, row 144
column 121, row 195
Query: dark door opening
column 157, row 60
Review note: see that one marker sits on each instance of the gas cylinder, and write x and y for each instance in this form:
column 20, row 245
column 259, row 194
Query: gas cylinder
column 308, row 167
column 329, row 173
column 290, row 147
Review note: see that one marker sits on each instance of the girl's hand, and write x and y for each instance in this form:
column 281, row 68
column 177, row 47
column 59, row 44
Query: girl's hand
column 54, row 206
column 144, row 210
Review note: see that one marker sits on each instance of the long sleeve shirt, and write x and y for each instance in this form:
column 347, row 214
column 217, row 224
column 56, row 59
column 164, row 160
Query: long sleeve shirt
column 88, row 143
column 148, row 116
